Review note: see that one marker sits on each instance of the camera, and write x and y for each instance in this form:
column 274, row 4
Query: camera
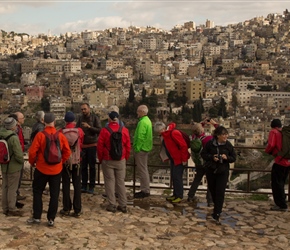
column 220, row 158
column 208, row 120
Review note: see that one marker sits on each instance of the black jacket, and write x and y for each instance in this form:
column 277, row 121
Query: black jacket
column 212, row 148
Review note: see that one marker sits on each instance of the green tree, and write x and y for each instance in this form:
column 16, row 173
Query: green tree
column 131, row 98
column 222, row 111
column 45, row 105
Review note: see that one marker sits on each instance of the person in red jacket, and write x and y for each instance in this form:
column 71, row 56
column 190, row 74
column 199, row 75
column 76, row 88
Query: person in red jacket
column 114, row 170
column 46, row 173
column 177, row 152
column 71, row 170
column 280, row 168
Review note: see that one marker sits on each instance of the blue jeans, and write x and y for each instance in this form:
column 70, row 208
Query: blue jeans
column 89, row 163
column 39, row 182
column 177, row 179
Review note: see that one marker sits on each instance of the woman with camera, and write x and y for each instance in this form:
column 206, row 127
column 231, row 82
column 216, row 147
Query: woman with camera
column 218, row 154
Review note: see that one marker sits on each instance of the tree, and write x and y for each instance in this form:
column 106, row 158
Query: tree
column 222, row 111
column 131, row 94
column 144, row 92
column 45, row 105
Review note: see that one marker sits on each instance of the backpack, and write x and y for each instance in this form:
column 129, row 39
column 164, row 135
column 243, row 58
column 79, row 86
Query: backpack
column 72, row 136
column 4, row 150
column 52, row 152
column 116, row 150
column 185, row 137
column 196, row 147
column 285, row 151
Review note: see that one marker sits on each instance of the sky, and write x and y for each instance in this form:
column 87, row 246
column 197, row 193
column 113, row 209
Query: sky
column 58, row 17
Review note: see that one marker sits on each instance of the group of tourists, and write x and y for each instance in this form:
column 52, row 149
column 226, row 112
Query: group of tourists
column 70, row 154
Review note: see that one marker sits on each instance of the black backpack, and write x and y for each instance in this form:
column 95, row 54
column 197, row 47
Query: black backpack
column 116, row 150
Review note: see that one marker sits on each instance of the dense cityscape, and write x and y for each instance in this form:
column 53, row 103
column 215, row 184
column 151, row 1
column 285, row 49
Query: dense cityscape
column 237, row 74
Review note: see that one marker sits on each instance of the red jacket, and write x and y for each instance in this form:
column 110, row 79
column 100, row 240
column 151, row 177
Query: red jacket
column 275, row 145
column 20, row 136
column 175, row 145
column 104, row 144
column 36, row 152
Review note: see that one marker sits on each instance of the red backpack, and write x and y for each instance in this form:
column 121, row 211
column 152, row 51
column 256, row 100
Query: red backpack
column 4, row 150
column 52, row 152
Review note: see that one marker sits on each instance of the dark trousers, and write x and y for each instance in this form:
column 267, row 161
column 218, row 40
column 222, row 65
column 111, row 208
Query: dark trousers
column 89, row 163
column 217, row 183
column 75, row 176
column 200, row 171
column 39, row 182
column 177, row 179
column 278, row 179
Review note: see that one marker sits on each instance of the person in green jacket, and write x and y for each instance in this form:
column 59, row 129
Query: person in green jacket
column 142, row 145
column 11, row 170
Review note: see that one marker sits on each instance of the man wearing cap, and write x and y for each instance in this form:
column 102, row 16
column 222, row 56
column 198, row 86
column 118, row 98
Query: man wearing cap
column 114, row 170
column 280, row 168
column 11, row 171
column 91, row 125
column 46, row 173
column 72, row 172
column 143, row 143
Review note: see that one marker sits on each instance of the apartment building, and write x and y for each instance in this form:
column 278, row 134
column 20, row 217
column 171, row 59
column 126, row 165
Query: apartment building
column 34, row 93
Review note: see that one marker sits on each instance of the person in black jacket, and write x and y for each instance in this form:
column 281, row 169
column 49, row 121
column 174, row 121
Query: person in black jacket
column 218, row 153
column 91, row 125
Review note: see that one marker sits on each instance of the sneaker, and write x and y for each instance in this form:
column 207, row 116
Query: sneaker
column 84, row 190
column 171, row 198
column 141, row 195
column 111, row 208
column 20, row 197
column 177, row 200
column 90, row 191
column 33, row 221
column 50, row 223
column 64, row 212
column 6, row 212
column 122, row 209
column 192, row 199
column 277, row 208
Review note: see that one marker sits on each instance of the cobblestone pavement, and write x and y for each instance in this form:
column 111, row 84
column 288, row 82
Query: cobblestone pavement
column 151, row 223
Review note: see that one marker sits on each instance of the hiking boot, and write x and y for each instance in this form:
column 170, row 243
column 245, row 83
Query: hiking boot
column 171, row 198
column 6, row 212
column 111, row 208
column 277, row 208
column 192, row 199
column 141, row 195
column 90, row 191
column 33, row 221
column 15, row 213
column 19, row 205
column 20, row 197
column 74, row 214
column 64, row 212
column 50, row 223
column 176, row 200
column 216, row 218
column 123, row 209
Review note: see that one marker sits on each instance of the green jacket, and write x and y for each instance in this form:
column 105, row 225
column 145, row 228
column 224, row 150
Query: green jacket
column 15, row 152
column 143, row 138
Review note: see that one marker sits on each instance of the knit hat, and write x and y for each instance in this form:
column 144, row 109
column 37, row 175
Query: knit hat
column 9, row 123
column 113, row 115
column 49, row 118
column 113, row 108
column 276, row 123
column 69, row 116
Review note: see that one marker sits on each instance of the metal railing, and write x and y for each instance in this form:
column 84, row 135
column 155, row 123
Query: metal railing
column 248, row 171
